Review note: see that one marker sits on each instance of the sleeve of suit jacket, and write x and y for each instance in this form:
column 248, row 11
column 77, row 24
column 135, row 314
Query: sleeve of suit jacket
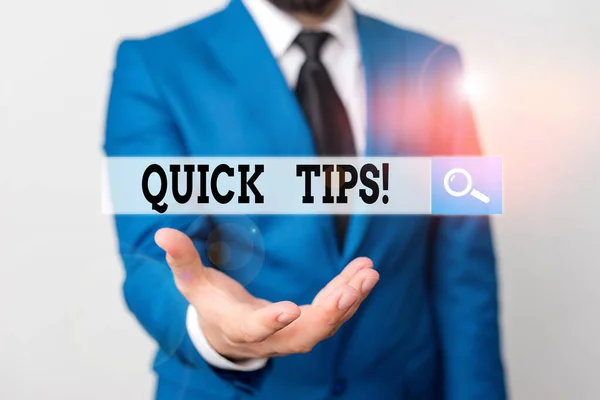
column 464, row 282
column 139, row 124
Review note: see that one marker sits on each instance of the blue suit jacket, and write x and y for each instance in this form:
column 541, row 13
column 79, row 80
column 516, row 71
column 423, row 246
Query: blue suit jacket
column 212, row 88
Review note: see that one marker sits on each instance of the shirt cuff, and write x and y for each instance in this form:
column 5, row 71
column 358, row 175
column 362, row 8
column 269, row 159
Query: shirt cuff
column 210, row 355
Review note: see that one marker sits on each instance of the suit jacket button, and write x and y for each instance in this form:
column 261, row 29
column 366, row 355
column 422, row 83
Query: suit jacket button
column 339, row 387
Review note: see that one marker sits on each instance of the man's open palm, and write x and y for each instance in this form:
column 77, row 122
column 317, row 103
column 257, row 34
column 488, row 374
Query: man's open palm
column 238, row 325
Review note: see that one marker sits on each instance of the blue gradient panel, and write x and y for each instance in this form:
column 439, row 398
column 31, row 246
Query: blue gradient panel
column 466, row 185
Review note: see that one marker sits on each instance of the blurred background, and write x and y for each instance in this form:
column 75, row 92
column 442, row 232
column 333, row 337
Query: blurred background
column 533, row 76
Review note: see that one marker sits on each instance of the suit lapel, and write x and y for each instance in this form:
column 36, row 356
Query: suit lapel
column 383, row 71
column 241, row 50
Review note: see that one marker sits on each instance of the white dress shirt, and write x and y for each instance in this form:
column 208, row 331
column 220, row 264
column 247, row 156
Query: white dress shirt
column 342, row 59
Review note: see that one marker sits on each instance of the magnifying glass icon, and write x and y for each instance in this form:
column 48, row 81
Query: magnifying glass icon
column 450, row 175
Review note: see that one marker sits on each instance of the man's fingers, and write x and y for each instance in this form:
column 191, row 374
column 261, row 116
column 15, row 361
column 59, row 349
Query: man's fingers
column 342, row 303
column 331, row 311
column 258, row 325
column 364, row 281
column 343, row 277
column 323, row 320
column 182, row 257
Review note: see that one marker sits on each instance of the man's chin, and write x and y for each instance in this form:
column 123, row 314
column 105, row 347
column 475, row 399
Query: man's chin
column 315, row 7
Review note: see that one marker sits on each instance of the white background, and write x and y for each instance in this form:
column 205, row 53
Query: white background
column 64, row 330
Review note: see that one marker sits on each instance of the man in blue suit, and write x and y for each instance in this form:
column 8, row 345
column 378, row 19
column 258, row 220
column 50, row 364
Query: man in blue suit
column 304, row 307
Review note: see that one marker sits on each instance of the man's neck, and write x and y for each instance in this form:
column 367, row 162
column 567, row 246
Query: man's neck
column 311, row 21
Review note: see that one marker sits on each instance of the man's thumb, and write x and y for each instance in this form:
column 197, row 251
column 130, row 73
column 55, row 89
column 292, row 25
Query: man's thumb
column 182, row 257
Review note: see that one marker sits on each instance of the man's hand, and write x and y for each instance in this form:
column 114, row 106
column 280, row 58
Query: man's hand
column 238, row 325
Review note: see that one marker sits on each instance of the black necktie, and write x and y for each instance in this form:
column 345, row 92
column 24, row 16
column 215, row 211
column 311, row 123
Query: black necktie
column 323, row 108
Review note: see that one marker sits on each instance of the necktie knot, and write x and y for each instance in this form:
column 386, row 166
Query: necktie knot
column 311, row 43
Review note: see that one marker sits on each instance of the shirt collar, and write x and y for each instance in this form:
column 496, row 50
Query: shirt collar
column 280, row 29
